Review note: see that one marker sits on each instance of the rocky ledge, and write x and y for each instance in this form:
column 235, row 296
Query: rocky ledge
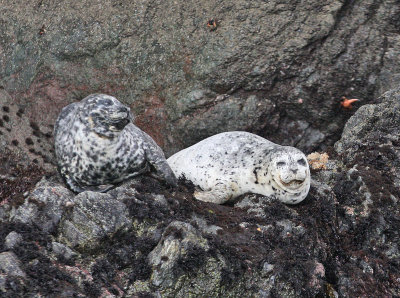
column 145, row 240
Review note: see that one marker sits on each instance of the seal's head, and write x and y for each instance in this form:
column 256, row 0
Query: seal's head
column 290, row 171
column 105, row 115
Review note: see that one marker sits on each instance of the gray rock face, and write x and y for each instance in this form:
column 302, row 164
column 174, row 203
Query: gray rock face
column 44, row 206
column 62, row 250
column 278, row 69
column 12, row 240
column 373, row 127
column 143, row 239
column 10, row 265
column 178, row 241
column 91, row 218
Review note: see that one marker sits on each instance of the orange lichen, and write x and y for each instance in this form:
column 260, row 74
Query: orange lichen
column 318, row 161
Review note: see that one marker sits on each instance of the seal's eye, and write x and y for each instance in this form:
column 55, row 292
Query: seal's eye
column 301, row 162
column 105, row 102
column 280, row 163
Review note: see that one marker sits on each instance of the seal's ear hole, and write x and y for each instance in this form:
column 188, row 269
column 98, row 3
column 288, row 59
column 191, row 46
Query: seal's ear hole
column 280, row 163
column 302, row 162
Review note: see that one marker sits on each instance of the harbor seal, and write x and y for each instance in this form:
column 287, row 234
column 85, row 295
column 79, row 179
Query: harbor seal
column 98, row 146
column 230, row 164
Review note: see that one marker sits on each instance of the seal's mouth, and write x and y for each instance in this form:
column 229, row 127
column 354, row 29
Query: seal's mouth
column 294, row 184
column 119, row 124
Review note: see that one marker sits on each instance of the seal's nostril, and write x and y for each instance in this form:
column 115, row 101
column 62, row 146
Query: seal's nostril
column 294, row 170
column 123, row 110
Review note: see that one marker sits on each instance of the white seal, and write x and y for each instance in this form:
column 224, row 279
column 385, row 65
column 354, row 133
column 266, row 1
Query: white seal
column 97, row 145
column 230, row 164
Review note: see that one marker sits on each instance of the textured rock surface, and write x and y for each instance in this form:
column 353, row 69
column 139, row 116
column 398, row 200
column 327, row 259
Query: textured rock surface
column 93, row 216
column 141, row 239
column 10, row 265
column 271, row 67
column 186, row 82
column 44, row 206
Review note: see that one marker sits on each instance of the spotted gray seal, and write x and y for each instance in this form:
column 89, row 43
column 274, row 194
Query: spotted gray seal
column 97, row 145
column 230, row 164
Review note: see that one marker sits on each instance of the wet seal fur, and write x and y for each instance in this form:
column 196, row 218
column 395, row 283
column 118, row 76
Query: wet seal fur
column 230, row 164
column 98, row 146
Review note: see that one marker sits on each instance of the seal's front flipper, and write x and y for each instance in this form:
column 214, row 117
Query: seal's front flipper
column 219, row 194
column 156, row 158
column 164, row 174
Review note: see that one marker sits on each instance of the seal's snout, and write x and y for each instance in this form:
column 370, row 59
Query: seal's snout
column 120, row 113
column 120, row 125
column 123, row 110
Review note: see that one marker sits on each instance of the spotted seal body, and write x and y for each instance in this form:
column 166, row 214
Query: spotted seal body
column 230, row 164
column 97, row 145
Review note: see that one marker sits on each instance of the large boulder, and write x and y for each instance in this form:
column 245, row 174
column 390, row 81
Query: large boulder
column 271, row 67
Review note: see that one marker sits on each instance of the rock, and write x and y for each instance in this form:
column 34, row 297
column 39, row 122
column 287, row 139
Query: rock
column 254, row 204
column 10, row 265
column 63, row 251
column 92, row 217
column 143, row 239
column 278, row 69
column 44, row 206
column 368, row 194
column 12, row 239
column 180, row 245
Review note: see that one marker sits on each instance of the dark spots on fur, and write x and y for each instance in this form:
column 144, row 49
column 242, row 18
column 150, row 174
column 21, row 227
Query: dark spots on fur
column 273, row 188
column 6, row 109
column 35, row 161
column 28, row 141
column 48, row 135
column 255, row 174
column 96, row 176
column 6, row 118
column 1, row 123
column 36, row 133
column 106, row 102
column 31, row 150
column 34, row 126
column 14, row 142
column 20, row 112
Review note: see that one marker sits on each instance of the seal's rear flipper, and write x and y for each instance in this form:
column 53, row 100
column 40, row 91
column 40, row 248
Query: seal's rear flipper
column 99, row 188
column 77, row 188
